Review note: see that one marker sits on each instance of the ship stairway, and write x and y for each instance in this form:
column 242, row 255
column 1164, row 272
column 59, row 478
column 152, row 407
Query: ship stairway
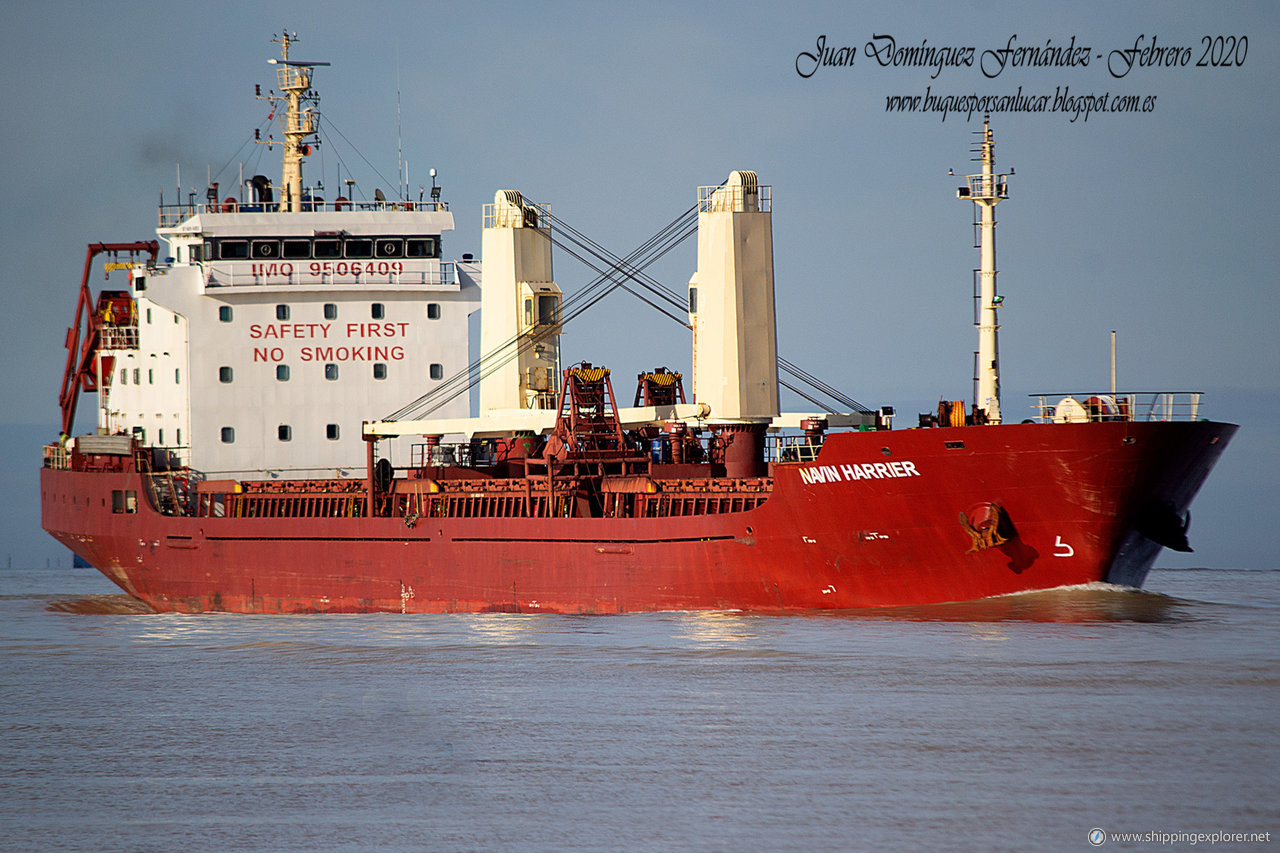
column 167, row 495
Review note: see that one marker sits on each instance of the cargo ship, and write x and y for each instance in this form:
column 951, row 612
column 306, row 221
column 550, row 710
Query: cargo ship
column 253, row 451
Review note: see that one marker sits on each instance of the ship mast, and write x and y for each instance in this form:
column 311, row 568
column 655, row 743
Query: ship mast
column 986, row 191
column 294, row 79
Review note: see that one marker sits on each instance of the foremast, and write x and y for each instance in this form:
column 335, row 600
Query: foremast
column 294, row 79
column 986, row 190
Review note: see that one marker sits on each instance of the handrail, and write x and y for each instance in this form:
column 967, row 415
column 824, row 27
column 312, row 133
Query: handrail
column 241, row 274
column 172, row 215
column 1080, row 407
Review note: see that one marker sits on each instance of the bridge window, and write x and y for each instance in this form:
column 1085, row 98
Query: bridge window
column 389, row 247
column 421, row 248
column 295, row 249
column 233, row 250
column 357, row 248
column 264, row 249
column 327, row 249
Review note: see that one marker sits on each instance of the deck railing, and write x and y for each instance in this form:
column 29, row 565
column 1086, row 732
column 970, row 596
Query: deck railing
column 299, row 272
column 172, row 215
column 1121, row 406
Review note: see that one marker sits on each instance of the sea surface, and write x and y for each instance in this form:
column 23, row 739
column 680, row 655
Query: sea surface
column 1018, row 723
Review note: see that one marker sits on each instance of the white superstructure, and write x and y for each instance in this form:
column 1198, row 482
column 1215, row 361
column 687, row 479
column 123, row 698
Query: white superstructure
column 272, row 327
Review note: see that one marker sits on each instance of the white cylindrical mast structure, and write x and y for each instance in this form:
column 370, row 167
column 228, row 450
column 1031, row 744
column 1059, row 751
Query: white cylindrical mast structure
column 986, row 191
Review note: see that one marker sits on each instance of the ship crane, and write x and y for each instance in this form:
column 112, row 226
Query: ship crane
column 986, row 190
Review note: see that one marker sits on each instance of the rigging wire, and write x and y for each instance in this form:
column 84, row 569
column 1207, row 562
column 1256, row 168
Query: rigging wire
column 571, row 307
column 611, row 274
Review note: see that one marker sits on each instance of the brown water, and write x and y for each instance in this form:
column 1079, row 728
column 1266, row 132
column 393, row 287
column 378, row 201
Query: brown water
column 1017, row 723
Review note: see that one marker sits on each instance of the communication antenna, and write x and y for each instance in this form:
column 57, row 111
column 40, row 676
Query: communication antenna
column 404, row 188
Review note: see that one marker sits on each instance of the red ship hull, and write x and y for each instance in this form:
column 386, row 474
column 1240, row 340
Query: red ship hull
column 1073, row 503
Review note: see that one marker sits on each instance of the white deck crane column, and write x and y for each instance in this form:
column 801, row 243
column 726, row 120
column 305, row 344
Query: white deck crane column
column 519, row 309
column 735, row 336
column 986, row 191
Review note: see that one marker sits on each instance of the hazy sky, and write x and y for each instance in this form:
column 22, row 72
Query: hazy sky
column 1159, row 223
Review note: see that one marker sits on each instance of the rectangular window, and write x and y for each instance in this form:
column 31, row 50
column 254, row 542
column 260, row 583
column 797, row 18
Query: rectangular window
column 177, row 376
column 357, row 248
column 331, row 371
column 137, row 376
column 437, row 371
column 160, row 437
column 282, row 312
column 224, row 313
column 282, row 373
column 151, row 376
column 148, row 316
column 225, row 374
column 296, row 249
column 117, row 500
column 284, row 432
column 264, row 250
column 233, row 250
column 330, row 311
column 377, row 311
column 130, row 501
column 228, row 435
column 327, row 249
column 424, row 248
column 124, row 376
column 547, row 309
column 389, row 247
column 179, row 438
column 379, row 371
column 433, row 310
column 331, row 432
